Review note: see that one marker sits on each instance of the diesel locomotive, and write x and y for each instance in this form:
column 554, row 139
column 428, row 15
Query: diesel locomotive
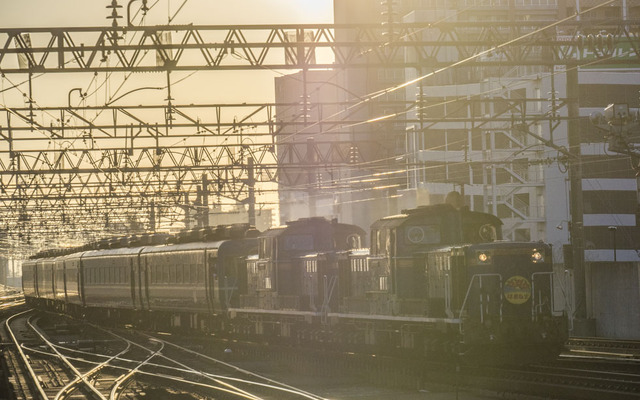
column 436, row 281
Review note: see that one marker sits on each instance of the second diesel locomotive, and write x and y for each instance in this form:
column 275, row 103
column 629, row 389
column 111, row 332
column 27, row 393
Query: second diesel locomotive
column 436, row 281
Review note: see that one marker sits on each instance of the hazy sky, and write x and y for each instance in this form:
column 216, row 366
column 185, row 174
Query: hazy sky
column 227, row 87
column 65, row 13
column 204, row 87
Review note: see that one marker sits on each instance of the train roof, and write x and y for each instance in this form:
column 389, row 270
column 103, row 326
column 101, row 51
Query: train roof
column 134, row 251
column 182, row 247
column 121, row 251
column 70, row 256
column 430, row 211
column 215, row 233
column 188, row 246
column 507, row 244
column 294, row 225
column 197, row 235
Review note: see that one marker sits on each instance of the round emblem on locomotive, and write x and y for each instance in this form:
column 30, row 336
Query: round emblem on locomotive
column 517, row 290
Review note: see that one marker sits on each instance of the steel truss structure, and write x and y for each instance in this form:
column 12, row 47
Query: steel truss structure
column 296, row 46
column 113, row 168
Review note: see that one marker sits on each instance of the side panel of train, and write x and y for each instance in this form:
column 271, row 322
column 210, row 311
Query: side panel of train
column 107, row 282
column 479, row 299
column 292, row 283
column 163, row 287
column 311, row 282
column 29, row 287
column 72, row 279
column 174, row 281
column 45, row 281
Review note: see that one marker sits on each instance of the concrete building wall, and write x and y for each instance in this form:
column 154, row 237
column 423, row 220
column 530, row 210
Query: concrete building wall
column 615, row 299
column 10, row 273
column 305, row 130
column 264, row 218
column 4, row 270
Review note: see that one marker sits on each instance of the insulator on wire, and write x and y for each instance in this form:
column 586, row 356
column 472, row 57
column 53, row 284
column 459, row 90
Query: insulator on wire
column 114, row 12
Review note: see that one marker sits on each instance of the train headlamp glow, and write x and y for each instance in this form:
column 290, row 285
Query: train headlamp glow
column 537, row 256
column 484, row 257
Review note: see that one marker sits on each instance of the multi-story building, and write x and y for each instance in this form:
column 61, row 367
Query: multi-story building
column 487, row 145
column 306, row 102
column 500, row 136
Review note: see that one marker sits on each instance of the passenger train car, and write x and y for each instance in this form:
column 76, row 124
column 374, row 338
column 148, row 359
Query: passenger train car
column 436, row 281
column 155, row 285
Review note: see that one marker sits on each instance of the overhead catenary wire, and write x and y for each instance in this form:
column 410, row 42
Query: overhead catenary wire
column 371, row 122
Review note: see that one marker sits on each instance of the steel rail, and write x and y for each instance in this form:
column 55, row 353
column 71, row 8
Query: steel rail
column 64, row 359
column 275, row 384
column 156, row 375
column 25, row 360
column 66, row 390
column 119, row 384
column 219, row 379
column 233, row 389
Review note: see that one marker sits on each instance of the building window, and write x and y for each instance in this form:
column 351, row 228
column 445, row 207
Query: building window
column 609, row 202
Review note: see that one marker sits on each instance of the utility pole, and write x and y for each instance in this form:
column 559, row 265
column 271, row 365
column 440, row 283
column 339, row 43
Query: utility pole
column 251, row 199
column 152, row 216
column 582, row 326
column 187, row 212
column 4, row 263
column 205, row 200
column 312, row 177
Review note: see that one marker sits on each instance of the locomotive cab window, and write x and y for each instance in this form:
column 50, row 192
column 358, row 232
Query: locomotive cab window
column 266, row 246
column 354, row 241
column 477, row 228
column 381, row 241
column 298, row 242
column 422, row 234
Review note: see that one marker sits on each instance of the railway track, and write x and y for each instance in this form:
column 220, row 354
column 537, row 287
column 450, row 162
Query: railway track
column 545, row 381
column 11, row 300
column 51, row 371
column 208, row 373
column 242, row 379
column 592, row 368
column 104, row 364
column 604, row 348
column 571, row 382
column 580, row 379
column 72, row 360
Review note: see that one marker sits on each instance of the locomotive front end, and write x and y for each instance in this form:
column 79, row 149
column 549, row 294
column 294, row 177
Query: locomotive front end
column 508, row 309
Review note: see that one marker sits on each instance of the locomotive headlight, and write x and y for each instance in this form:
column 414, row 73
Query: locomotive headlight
column 484, row 257
column 537, row 256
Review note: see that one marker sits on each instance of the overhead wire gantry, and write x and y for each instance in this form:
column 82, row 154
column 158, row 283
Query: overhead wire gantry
column 61, row 166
